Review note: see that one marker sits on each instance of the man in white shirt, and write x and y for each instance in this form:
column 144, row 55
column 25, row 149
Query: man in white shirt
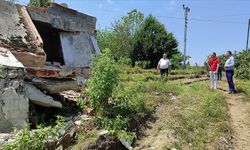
column 229, row 68
column 164, row 65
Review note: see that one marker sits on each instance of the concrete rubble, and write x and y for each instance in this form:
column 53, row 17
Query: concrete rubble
column 39, row 98
column 43, row 52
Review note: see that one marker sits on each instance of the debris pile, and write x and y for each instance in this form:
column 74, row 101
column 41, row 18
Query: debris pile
column 44, row 52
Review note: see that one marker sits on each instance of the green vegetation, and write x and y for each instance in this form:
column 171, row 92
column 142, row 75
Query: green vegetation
column 35, row 139
column 151, row 41
column 140, row 42
column 119, row 38
column 243, row 86
column 40, row 3
column 85, row 138
column 201, row 118
column 115, row 105
column 242, row 65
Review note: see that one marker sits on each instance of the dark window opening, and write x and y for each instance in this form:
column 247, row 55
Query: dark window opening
column 51, row 42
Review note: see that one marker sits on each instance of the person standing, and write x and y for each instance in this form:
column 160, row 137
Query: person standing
column 164, row 65
column 213, row 62
column 220, row 71
column 229, row 68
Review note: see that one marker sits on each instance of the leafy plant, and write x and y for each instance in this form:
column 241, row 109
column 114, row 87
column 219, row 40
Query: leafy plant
column 104, row 77
column 151, row 41
column 119, row 37
column 35, row 139
column 242, row 65
column 40, row 3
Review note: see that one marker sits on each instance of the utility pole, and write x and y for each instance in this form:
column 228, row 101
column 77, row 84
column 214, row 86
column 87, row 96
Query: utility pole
column 186, row 10
column 248, row 34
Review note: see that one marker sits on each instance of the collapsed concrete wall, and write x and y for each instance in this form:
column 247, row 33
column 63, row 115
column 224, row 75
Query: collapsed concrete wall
column 14, row 106
column 54, row 45
column 18, row 34
column 63, row 18
column 73, row 35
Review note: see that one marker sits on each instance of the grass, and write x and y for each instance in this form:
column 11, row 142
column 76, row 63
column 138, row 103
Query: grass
column 201, row 117
column 243, row 86
column 84, row 139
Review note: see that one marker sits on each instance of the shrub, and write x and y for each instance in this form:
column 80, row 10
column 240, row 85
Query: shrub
column 143, row 64
column 242, row 65
column 34, row 140
column 114, row 104
column 40, row 3
column 124, row 61
column 104, row 77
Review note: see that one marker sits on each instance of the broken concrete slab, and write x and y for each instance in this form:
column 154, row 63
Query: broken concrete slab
column 8, row 59
column 54, row 86
column 39, row 98
column 70, row 95
column 63, row 18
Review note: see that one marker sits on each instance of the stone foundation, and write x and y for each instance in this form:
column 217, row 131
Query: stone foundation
column 14, row 106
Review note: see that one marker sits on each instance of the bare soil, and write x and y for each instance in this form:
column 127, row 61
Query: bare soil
column 157, row 135
column 239, row 111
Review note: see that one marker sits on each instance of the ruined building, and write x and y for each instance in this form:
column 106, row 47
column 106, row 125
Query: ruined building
column 43, row 51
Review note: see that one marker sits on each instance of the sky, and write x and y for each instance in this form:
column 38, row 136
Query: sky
column 213, row 25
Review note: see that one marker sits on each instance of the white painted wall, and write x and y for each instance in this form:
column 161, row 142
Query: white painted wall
column 77, row 49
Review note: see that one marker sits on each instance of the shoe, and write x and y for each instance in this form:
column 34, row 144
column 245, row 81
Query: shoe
column 230, row 92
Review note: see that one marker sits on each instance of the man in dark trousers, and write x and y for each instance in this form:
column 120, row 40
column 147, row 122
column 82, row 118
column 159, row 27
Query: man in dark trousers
column 220, row 71
column 229, row 68
column 164, row 65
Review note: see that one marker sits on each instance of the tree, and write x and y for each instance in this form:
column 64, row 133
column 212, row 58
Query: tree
column 119, row 37
column 40, row 3
column 152, row 40
column 242, row 64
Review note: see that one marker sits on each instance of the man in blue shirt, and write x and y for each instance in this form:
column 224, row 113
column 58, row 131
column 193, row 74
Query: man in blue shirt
column 229, row 68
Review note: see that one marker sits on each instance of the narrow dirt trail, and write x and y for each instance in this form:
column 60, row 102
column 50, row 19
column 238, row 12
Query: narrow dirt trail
column 157, row 135
column 239, row 111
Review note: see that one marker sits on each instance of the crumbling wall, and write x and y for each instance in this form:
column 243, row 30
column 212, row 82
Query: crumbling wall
column 14, row 106
column 19, row 35
column 63, row 18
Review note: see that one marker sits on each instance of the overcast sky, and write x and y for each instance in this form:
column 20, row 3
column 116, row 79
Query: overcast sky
column 214, row 25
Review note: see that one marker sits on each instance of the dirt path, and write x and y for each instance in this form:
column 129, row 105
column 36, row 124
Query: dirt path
column 157, row 135
column 239, row 111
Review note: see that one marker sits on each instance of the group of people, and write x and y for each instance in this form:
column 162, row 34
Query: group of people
column 215, row 68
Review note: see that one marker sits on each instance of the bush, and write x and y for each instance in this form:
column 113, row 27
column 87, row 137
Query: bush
column 242, row 65
column 124, row 61
column 40, row 3
column 34, row 140
column 103, row 79
column 114, row 104
column 143, row 64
